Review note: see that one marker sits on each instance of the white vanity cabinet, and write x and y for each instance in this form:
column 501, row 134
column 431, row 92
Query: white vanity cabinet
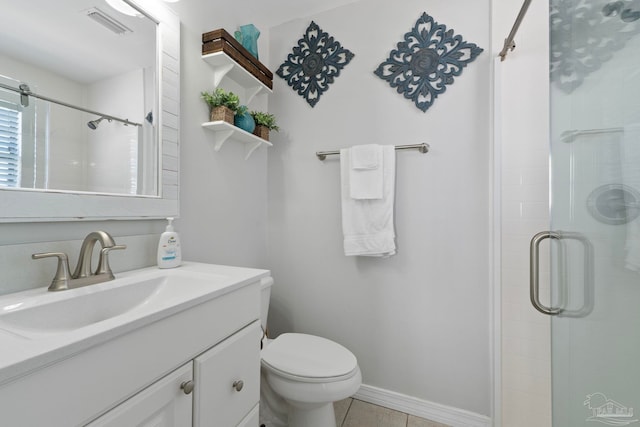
column 133, row 375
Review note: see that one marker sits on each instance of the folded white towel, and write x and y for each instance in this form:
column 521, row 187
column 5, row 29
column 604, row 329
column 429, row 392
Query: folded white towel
column 366, row 156
column 366, row 172
column 367, row 225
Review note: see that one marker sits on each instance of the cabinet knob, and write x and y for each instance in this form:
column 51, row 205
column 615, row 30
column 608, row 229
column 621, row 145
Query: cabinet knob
column 187, row 387
column 237, row 385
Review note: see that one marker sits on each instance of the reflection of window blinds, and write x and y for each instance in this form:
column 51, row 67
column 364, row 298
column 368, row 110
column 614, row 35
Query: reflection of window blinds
column 10, row 137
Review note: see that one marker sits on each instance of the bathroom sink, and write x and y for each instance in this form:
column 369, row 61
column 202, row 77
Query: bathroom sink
column 79, row 309
column 33, row 314
column 39, row 328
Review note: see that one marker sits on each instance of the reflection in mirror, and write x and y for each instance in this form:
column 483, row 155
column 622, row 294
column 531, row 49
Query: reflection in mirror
column 586, row 34
column 100, row 65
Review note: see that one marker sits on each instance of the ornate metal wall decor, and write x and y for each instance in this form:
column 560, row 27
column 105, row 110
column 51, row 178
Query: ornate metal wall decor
column 585, row 34
column 627, row 13
column 314, row 64
column 426, row 61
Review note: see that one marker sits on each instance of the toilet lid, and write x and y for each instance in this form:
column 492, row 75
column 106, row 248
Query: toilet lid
column 308, row 356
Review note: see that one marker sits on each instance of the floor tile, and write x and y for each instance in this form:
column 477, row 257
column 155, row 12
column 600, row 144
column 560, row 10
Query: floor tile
column 362, row 414
column 421, row 422
column 340, row 408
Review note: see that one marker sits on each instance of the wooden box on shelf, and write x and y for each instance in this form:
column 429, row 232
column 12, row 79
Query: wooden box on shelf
column 262, row 132
column 222, row 113
column 221, row 41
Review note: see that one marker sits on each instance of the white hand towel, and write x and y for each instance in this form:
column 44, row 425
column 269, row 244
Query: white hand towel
column 367, row 225
column 366, row 156
column 630, row 155
column 366, row 172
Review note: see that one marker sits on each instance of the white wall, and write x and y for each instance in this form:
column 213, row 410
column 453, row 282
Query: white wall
column 222, row 197
column 523, row 183
column 419, row 321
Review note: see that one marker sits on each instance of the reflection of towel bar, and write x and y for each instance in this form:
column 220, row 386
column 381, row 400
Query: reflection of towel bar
column 423, row 148
column 571, row 135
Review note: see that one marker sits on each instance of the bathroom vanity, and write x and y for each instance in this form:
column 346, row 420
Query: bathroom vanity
column 179, row 345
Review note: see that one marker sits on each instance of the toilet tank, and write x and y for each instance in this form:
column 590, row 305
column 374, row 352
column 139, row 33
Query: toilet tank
column 265, row 294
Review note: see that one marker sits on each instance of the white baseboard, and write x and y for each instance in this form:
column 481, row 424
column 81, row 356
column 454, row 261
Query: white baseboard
column 448, row 415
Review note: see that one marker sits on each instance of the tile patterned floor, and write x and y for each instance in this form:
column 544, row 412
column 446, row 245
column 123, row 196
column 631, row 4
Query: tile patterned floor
column 356, row 413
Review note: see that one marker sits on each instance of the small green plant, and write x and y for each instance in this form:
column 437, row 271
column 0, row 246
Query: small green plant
column 241, row 110
column 265, row 119
column 221, row 97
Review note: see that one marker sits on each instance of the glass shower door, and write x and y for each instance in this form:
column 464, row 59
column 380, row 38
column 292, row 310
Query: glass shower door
column 594, row 246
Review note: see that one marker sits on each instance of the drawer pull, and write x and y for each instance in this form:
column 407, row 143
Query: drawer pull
column 187, row 387
column 237, row 385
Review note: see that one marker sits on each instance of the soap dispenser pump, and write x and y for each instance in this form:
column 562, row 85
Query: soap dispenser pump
column 169, row 253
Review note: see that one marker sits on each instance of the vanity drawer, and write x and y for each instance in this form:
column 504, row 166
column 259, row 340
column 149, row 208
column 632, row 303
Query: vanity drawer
column 227, row 380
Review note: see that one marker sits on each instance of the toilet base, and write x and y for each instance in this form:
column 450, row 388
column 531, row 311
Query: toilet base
column 273, row 409
column 311, row 415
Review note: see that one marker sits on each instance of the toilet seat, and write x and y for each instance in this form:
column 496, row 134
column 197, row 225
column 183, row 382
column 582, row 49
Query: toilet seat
column 308, row 358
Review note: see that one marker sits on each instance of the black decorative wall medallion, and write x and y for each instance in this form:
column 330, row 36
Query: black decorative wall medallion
column 314, row 64
column 426, row 61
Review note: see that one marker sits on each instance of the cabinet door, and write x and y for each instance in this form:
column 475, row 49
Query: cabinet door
column 219, row 397
column 163, row 404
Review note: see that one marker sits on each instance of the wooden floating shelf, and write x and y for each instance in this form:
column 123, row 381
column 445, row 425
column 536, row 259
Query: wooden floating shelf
column 224, row 131
column 222, row 65
column 220, row 41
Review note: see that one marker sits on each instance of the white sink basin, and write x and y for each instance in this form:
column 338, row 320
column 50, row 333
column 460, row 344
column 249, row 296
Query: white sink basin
column 132, row 295
column 77, row 310
column 38, row 326
column 34, row 313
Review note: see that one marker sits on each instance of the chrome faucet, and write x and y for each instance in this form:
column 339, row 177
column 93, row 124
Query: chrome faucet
column 83, row 275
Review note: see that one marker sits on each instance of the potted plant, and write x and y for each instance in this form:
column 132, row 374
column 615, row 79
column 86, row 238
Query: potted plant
column 265, row 122
column 223, row 105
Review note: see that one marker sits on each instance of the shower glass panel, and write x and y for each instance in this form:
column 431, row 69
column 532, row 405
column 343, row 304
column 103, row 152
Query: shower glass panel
column 595, row 207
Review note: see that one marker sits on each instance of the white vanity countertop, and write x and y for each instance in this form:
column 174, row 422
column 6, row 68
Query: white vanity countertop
column 34, row 333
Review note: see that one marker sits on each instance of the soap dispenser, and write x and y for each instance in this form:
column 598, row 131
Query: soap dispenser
column 169, row 254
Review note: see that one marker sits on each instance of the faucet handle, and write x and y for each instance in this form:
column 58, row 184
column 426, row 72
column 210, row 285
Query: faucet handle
column 103, row 263
column 61, row 279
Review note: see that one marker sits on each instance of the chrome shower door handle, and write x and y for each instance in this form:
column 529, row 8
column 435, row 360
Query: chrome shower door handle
column 534, row 269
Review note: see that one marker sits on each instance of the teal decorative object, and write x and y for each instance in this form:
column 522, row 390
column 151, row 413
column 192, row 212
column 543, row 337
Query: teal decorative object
column 248, row 38
column 245, row 122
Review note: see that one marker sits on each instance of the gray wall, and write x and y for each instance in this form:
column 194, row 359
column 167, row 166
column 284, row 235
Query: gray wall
column 418, row 322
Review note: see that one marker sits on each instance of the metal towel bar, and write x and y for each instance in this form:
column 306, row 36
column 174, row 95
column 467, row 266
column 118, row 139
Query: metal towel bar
column 423, row 148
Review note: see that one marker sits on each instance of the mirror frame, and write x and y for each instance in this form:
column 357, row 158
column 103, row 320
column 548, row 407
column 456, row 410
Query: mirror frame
column 26, row 205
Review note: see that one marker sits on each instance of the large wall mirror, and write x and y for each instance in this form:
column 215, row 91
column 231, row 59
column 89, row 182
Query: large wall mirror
column 89, row 110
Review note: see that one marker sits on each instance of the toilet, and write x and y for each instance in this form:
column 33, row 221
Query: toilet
column 302, row 375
